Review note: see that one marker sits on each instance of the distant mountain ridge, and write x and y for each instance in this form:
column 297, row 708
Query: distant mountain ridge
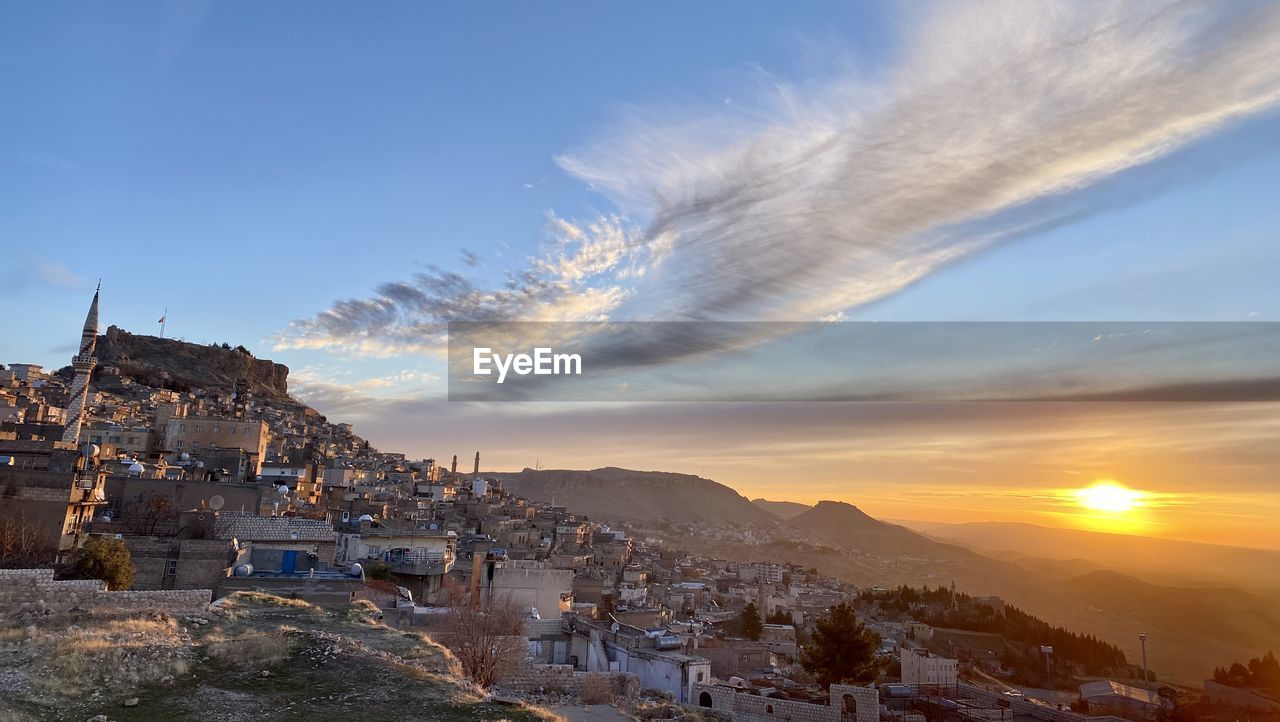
column 1164, row 560
column 624, row 494
column 782, row 509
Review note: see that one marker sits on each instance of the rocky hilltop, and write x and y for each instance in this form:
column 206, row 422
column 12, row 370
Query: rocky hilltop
column 249, row 657
column 172, row 364
column 647, row 496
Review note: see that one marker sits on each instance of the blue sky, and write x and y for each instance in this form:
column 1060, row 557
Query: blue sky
column 280, row 158
column 275, row 174
column 315, row 151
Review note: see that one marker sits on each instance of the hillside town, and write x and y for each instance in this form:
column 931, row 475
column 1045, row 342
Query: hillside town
column 241, row 489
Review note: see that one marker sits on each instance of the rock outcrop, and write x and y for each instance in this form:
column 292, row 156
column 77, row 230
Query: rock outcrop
column 173, row 364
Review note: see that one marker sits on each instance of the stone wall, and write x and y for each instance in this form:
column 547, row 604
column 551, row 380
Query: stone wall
column 35, row 591
column 861, row 704
column 563, row 678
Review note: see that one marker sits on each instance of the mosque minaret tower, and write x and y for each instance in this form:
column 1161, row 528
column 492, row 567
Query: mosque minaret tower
column 83, row 363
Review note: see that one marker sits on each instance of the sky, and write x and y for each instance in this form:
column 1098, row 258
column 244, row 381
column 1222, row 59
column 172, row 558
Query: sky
column 330, row 185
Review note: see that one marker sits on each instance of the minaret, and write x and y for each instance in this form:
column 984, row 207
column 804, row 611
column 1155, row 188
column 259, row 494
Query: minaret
column 476, row 471
column 83, row 363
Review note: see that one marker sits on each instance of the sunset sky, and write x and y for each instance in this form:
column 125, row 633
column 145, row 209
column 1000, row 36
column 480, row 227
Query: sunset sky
column 330, row 187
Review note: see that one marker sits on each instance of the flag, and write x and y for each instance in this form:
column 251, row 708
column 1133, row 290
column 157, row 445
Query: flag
column 161, row 319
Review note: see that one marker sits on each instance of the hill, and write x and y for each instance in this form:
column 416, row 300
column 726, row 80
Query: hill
column 781, row 509
column 179, row 365
column 1160, row 560
column 252, row 657
column 1189, row 627
column 645, row 496
column 1185, row 622
column 854, row 529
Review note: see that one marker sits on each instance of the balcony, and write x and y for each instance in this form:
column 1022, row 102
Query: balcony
column 418, row 562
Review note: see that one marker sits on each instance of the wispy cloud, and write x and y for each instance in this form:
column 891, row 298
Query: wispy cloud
column 819, row 197
column 575, row 279
column 55, row 273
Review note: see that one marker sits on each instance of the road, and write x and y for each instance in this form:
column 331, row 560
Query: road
column 592, row 713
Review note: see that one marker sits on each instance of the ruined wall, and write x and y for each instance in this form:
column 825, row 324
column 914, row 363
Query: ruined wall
column 552, row 678
column 34, row 591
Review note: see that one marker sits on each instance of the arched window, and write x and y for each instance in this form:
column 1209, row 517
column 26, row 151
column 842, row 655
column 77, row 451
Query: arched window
column 704, row 699
column 768, row 709
column 849, row 707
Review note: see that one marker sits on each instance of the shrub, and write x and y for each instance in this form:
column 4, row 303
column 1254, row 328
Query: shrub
column 105, row 559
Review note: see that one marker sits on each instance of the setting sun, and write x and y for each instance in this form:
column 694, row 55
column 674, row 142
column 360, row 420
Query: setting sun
column 1108, row 496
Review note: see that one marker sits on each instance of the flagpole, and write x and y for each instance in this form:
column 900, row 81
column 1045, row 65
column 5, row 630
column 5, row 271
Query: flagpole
column 163, row 319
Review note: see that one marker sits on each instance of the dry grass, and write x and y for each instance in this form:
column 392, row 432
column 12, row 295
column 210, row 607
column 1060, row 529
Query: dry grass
column 116, row 653
column 11, row 634
column 545, row 714
column 267, row 599
column 253, row 648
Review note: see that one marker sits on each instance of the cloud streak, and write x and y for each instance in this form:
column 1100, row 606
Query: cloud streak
column 822, row 197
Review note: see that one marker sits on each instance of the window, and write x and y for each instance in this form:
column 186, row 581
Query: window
column 171, row 569
column 182, row 427
column 196, row 427
column 215, row 428
column 178, row 445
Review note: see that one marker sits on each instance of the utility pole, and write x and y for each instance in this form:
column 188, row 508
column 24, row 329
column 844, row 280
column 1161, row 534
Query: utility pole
column 1146, row 674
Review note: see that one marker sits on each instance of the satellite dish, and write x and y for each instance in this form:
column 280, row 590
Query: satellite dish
column 216, row 502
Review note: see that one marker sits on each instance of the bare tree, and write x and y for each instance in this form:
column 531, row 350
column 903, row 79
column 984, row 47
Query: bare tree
column 487, row 638
column 149, row 513
column 22, row 545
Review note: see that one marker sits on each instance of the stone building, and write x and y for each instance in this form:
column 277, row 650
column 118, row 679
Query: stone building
column 183, row 554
